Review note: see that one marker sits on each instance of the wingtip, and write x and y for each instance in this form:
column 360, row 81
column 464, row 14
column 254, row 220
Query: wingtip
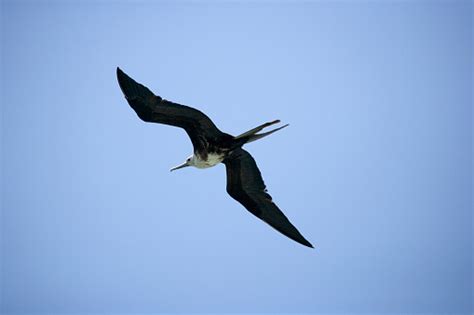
column 130, row 88
column 119, row 71
column 300, row 239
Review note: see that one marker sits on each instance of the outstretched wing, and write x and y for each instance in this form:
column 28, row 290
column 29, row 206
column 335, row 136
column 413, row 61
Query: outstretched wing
column 245, row 184
column 152, row 108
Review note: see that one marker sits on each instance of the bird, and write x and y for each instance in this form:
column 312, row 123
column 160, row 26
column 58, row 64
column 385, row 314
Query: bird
column 211, row 147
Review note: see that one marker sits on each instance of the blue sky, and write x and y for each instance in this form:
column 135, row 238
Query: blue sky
column 375, row 169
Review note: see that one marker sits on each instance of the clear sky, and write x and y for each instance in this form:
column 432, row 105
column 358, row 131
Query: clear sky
column 375, row 169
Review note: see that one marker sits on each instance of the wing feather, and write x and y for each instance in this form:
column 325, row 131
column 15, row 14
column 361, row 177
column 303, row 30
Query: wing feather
column 152, row 108
column 245, row 184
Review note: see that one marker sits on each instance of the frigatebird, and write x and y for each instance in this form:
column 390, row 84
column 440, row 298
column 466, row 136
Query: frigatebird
column 212, row 146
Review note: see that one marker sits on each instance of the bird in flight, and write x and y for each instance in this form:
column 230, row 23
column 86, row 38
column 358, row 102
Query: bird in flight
column 212, row 146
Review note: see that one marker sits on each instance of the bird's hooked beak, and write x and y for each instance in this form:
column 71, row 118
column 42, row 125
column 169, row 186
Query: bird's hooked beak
column 180, row 166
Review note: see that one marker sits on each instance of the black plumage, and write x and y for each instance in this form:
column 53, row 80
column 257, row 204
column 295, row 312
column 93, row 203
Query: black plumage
column 244, row 180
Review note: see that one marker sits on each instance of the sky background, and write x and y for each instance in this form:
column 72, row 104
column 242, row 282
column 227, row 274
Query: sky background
column 375, row 169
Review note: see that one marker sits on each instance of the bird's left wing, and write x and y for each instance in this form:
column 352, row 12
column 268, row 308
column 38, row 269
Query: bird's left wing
column 152, row 108
column 245, row 184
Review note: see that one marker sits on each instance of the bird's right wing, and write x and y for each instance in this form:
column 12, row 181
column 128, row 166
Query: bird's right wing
column 152, row 108
column 245, row 184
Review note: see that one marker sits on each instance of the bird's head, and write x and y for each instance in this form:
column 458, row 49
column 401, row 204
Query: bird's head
column 189, row 162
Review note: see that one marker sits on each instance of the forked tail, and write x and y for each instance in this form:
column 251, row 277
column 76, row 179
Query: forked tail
column 252, row 134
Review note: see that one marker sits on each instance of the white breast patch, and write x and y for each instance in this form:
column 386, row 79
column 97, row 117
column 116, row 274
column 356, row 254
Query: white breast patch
column 212, row 159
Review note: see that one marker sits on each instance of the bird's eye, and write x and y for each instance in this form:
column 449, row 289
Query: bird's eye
column 188, row 160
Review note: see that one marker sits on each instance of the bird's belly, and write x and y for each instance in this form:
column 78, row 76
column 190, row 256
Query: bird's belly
column 212, row 159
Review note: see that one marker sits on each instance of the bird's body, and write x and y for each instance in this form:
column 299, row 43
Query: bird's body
column 211, row 147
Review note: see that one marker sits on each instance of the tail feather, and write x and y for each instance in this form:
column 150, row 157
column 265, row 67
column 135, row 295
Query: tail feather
column 264, row 134
column 257, row 129
column 252, row 135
